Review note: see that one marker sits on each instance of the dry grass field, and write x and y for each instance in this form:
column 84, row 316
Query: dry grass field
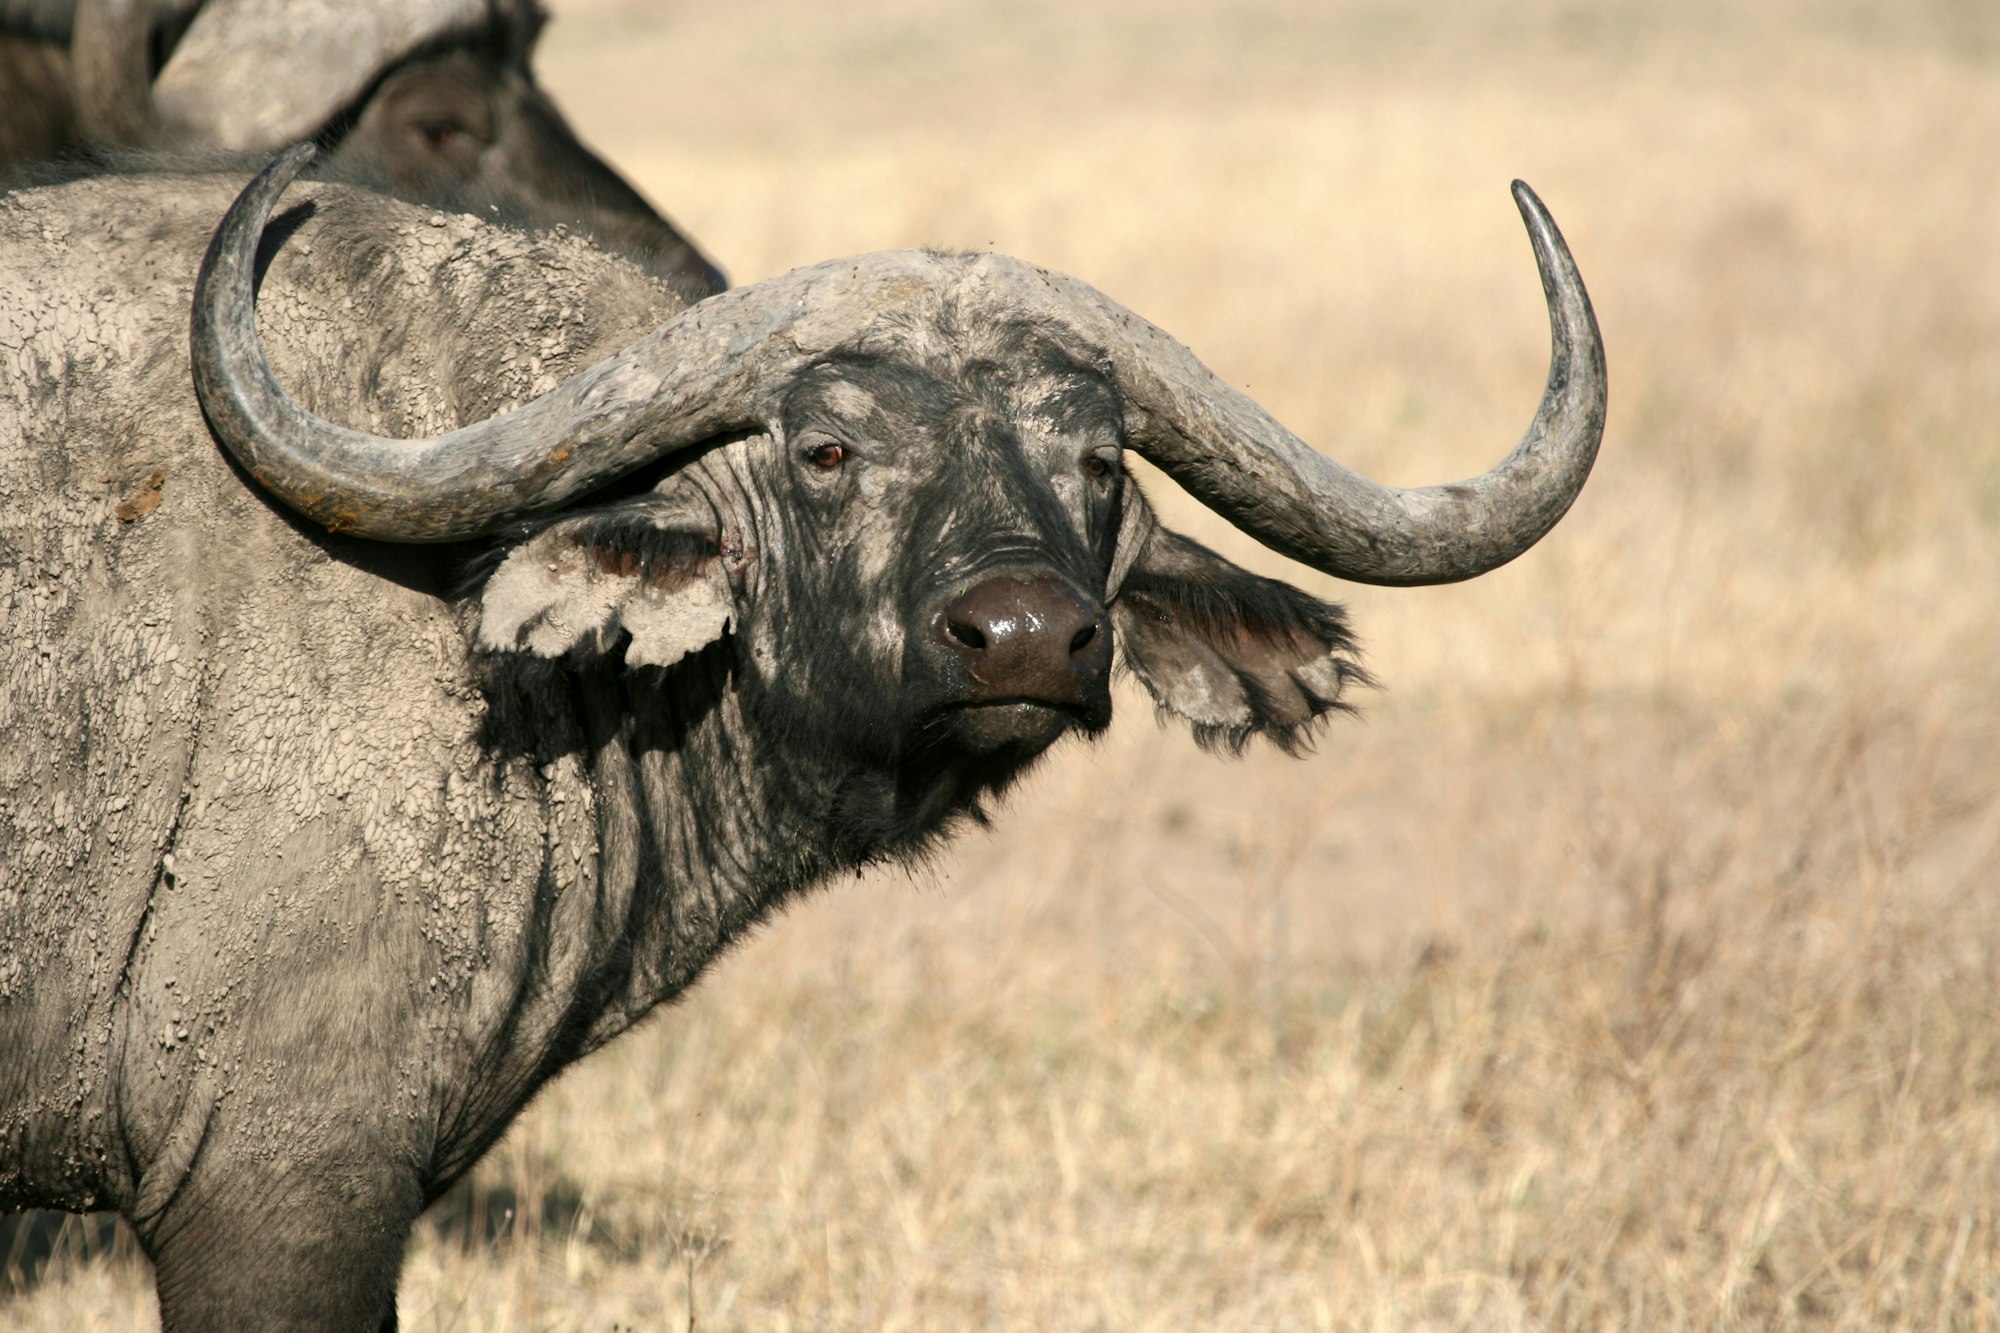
column 1633, row 962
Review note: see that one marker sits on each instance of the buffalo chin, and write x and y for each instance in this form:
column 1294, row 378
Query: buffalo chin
column 967, row 755
column 1024, row 727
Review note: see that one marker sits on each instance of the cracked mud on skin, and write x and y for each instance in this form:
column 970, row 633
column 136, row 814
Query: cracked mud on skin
column 330, row 850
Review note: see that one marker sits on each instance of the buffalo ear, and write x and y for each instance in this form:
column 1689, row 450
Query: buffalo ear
column 649, row 568
column 1235, row 654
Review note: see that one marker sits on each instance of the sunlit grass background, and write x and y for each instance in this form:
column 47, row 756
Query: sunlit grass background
column 1634, row 962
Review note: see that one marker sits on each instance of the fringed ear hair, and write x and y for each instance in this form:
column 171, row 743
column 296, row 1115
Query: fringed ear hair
column 1235, row 654
column 646, row 569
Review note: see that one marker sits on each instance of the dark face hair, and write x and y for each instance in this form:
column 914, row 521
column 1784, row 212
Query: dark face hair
column 905, row 489
column 916, row 496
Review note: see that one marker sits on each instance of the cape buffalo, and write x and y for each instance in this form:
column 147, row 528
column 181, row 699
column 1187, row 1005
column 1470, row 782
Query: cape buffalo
column 354, row 785
column 431, row 100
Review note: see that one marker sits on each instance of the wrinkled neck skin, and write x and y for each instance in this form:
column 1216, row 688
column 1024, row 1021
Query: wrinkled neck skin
column 719, row 788
column 665, row 767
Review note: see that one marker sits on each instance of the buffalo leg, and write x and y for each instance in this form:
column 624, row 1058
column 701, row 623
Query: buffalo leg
column 318, row 1250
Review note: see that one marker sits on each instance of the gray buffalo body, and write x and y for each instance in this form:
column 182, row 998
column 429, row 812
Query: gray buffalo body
column 431, row 100
column 319, row 854
column 211, row 995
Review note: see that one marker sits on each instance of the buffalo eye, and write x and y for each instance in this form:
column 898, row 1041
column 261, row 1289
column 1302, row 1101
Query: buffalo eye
column 438, row 133
column 828, row 454
column 1097, row 467
column 448, row 137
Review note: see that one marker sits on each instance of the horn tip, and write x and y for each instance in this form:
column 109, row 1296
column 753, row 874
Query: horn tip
column 1530, row 203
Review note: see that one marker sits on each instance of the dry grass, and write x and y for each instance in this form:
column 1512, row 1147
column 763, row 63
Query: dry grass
column 1634, row 964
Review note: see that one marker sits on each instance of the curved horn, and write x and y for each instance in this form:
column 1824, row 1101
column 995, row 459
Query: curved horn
column 720, row 366
column 1233, row 457
column 712, row 369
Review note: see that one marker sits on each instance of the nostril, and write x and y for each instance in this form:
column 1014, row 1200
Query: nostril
column 1083, row 638
column 968, row 635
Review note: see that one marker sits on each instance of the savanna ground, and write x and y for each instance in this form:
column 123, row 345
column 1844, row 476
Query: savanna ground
column 1634, row 962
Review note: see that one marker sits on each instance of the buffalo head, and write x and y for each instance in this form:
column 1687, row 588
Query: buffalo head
column 897, row 501
column 430, row 100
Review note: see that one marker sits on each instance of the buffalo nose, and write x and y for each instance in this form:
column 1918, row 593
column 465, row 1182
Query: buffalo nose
column 1027, row 639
